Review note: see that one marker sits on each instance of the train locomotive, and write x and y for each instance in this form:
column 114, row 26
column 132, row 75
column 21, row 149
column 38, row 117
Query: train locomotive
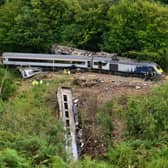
column 103, row 64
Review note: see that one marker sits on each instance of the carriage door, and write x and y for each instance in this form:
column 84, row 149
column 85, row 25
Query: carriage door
column 113, row 67
column 89, row 64
column 100, row 65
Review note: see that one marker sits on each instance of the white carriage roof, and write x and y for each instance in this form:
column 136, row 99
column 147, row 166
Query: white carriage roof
column 101, row 59
column 122, row 60
column 74, row 57
column 44, row 56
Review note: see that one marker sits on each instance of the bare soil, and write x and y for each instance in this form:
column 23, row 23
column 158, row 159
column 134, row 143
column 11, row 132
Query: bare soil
column 106, row 86
column 93, row 90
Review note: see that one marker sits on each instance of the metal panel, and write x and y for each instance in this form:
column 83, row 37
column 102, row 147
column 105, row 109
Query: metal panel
column 66, row 108
column 45, row 56
column 113, row 67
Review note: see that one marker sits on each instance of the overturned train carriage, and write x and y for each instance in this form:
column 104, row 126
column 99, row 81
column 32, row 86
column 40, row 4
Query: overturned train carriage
column 104, row 64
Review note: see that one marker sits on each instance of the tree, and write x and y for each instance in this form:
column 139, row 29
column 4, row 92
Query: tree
column 87, row 25
column 31, row 26
column 136, row 25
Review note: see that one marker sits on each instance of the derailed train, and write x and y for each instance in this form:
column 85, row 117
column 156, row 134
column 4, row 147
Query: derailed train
column 104, row 64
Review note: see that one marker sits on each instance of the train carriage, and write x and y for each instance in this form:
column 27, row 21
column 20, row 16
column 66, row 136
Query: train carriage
column 136, row 68
column 45, row 60
column 104, row 64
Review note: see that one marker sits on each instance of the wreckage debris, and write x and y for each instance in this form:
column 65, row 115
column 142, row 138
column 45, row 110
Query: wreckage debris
column 59, row 49
column 29, row 72
column 69, row 116
column 87, row 83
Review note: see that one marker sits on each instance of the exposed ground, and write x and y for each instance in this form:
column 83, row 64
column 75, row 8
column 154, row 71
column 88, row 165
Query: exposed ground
column 93, row 90
column 106, row 86
column 102, row 86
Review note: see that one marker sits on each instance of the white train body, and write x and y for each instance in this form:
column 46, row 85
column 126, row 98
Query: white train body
column 83, row 62
column 43, row 60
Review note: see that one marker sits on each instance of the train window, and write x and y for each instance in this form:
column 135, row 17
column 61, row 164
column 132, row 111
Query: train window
column 47, row 61
column 96, row 63
column 30, row 60
column 89, row 64
column 67, row 114
column 62, row 62
column 150, row 69
column 66, row 105
column 78, row 62
column 69, row 62
column 65, row 98
column 102, row 63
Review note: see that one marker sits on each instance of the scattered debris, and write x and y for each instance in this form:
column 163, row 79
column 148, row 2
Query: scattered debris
column 59, row 49
column 87, row 83
column 137, row 87
column 29, row 72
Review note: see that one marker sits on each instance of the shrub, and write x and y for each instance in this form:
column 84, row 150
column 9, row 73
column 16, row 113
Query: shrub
column 7, row 83
column 8, row 89
column 57, row 162
column 6, row 139
column 10, row 158
column 104, row 117
column 123, row 155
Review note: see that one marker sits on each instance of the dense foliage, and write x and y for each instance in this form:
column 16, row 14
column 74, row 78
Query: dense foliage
column 116, row 26
column 145, row 140
column 147, row 116
column 30, row 134
column 7, row 83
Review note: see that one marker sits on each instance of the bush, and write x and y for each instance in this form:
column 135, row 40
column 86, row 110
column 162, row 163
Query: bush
column 6, row 139
column 7, row 83
column 157, row 163
column 36, row 148
column 123, row 155
column 142, row 55
column 57, row 162
column 146, row 117
column 104, row 117
column 8, row 89
column 10, row 158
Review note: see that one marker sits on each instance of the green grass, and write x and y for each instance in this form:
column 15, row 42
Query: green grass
column 30, row 117
column 32, row 136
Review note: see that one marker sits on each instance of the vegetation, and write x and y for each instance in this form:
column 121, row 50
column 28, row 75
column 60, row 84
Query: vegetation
column 31, row 136
column 121, row 26
column 144, row 140
column 7, row 84
column 30, row 133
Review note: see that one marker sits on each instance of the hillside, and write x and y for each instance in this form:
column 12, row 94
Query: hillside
column 123, row 119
